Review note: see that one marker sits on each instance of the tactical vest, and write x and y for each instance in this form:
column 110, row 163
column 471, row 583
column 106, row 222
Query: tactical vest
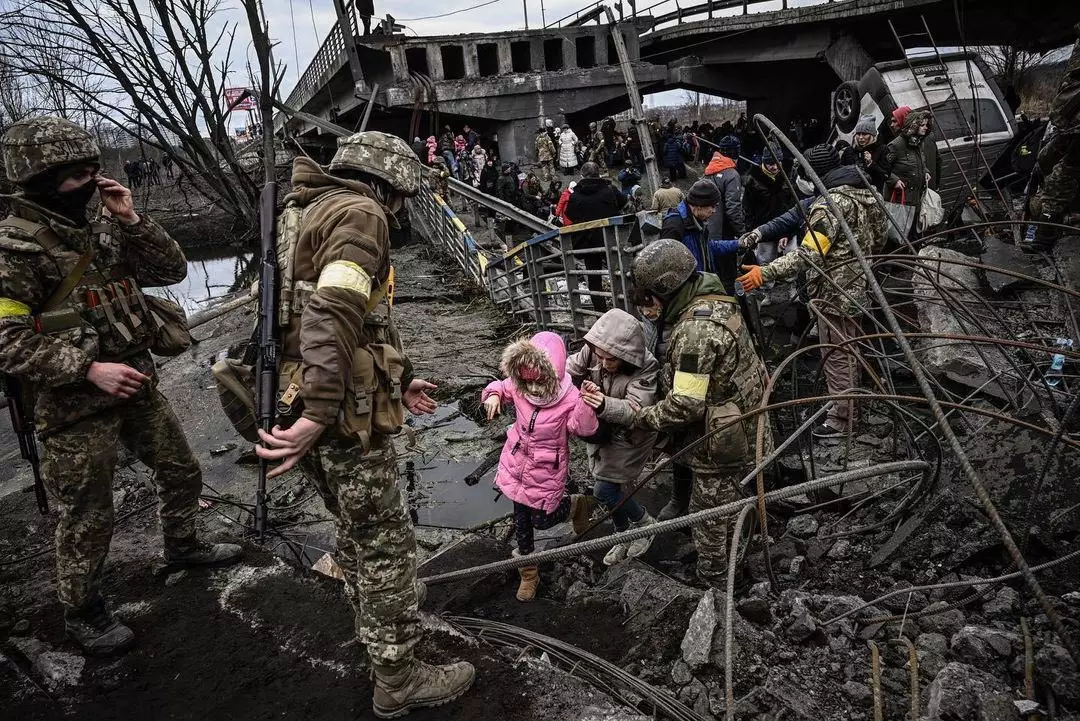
column 107, row 301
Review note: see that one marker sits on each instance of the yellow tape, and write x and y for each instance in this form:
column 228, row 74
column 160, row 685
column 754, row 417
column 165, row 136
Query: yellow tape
column 390, row 288
column 9, row 308
column 818, row 242
column 458, row 224
column 691, row 385
column 345, row 274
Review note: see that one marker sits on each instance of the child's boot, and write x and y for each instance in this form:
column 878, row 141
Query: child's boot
column 530, row 581
column 638, row 547
column 616, row 555
column 580, row 507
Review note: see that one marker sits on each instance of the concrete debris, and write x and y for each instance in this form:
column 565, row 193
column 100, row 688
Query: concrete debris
column 857, row 693
column 1053, row 664
column 931, row 649
column 982, row 646
column 946, row 623
column 840, row 550
column 697, row 643
column 1009, row 257
column 175, row 578
column 802, row 526
column 755, row 610
column 959, row 692
column 60, row 671
column 1002, row 605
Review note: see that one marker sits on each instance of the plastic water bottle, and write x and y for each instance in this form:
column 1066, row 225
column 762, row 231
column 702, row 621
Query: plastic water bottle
column 1057, row 363
column 1029, row 234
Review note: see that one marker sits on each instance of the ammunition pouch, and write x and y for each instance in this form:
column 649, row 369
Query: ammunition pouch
column 373, row 394
column 236, row 389
column 171, row 335
column 730, row 445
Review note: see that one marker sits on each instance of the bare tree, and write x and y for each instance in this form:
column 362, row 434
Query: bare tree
column 156, row 68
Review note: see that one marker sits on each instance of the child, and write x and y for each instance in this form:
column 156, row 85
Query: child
column 619, row 376
column 535, row 460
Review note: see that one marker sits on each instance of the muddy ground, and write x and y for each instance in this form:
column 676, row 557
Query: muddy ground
column 272, row 639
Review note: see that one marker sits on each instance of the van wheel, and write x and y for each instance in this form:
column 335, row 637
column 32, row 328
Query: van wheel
column 846, row 105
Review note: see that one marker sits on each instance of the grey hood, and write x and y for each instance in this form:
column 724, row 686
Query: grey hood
column 620, row 334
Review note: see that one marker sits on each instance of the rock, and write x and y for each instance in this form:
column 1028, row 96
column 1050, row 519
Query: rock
column 946, row 623
column 957, row 690
column 797, row 564
column 1008, row 257
column 755, row 610
column 1052, row 663
column 61, row 671
column 802, row 627
column 697, row 643
column 28, row 647
column 680, row 673
column 840, row 550
column 869, row 440
column 910, row 601
column 175, row 578
column 787, row 655
column 21, row 627
column 221, row 450
column 1072, row 598
column 981, row 646
column 1003, row 605
column 802, row 526
column 798, row 703
column 577, row 591
column 998, row 707
column 931, row 649
column 856, row 693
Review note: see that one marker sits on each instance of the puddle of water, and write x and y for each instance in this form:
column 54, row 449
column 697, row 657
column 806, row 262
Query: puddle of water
column 434, row 479
column 212, row 273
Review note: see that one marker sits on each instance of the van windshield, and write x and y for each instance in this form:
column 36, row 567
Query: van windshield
column 957, row 117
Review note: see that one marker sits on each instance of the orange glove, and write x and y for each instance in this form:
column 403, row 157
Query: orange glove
column 752, row 279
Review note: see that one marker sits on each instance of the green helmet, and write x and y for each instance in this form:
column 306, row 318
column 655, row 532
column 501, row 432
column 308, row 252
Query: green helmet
column 662, row 267
column 382, row 155
column 34, row 145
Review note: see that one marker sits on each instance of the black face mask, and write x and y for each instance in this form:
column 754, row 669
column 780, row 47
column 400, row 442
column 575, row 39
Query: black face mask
column 71, row 204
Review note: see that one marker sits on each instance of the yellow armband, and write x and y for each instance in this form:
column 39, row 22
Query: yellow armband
column 691, row 385
column 345, row 274
column 817, row 242
column 9, row 308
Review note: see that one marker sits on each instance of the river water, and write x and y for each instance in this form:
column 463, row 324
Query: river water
column 212, row 273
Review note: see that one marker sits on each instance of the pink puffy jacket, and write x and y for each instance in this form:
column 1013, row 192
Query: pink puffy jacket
column 534, row 464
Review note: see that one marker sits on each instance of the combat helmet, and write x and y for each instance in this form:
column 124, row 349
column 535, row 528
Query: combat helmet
column 382, row 155
column 34, row 145
column 662, row 267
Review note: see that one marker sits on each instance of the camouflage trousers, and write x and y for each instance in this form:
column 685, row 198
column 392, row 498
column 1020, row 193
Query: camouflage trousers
column 77, row 467
column 713, row 488
column 1060, row 157
column 376, row 548
column 546, row 170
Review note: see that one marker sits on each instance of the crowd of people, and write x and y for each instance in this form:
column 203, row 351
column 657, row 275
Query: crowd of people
column 147, row 171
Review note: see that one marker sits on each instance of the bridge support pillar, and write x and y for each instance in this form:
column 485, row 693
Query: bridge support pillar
column 506, row 61
column 434, row 61
column 399, row 64
column 517, row 139
column 600, row 44
column 472, row 62
column 847, row 57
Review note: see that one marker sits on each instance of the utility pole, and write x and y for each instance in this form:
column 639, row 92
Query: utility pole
column 637, row 113
column 525, row 5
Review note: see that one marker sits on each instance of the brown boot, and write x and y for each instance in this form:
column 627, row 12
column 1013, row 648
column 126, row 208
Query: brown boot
column 580, row 508
column 530, row 581
column 419, row 685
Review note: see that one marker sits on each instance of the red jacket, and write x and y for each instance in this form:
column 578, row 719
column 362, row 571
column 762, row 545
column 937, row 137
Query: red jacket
column 564, row 199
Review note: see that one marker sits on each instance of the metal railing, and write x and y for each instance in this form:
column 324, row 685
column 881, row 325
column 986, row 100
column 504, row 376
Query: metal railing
column 681, row 14
column 545, row 280
column 438, row 223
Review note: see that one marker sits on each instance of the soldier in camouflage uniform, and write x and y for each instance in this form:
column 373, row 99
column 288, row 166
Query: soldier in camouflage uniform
column 825, row 249
column 1059, row 158
column 545, row 155
column 439, row 175
column 346, row 375
column 74, row 326
column 711, row 375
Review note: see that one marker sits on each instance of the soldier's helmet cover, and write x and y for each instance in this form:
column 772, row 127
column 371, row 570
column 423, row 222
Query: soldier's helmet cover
column 382, row 155
column 662, row 267
column 36, row 145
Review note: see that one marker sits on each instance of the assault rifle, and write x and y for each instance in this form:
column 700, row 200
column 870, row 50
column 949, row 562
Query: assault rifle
column 23, row 425
column 266, row 369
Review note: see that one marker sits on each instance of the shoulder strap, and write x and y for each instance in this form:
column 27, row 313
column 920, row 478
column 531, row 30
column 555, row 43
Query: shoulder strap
column 47, row 238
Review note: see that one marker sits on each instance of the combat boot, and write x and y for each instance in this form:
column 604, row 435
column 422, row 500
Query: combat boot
column 419, row 685
column 580, row 507
column 680, row 498
column 96, row 630
column 193, row 552
column 530, row 582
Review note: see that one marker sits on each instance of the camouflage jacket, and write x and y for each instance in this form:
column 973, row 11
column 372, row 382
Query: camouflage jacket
column 710, row 362
column 827, row 248
column 1065, row 108
column 56, row 363
column 343, row 252
column 545, row 149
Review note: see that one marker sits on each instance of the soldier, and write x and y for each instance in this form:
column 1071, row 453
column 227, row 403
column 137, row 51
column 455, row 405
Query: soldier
column 545, row 155
column 74, row 326
column 439, row 175
column 338, row 256
column 711, row 375
column 1059, row 158
column 825, row 249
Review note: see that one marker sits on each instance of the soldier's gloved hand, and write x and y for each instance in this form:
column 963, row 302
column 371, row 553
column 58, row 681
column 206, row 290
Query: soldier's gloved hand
column 752, row 279
column 750, row 240
column 288, row 446
column 116, row 379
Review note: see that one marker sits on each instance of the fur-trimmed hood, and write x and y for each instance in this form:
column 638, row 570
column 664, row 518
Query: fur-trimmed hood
column 546, row 353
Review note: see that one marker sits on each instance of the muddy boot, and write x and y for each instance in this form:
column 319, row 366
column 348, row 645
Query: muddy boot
column 193, row 552
column 95, row 629
column 419, row 685
column 580, row 507
column 530, row 581
column 680, row 497
column 638, row 547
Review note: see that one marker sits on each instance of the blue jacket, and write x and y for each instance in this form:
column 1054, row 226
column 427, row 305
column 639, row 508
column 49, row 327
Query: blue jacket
column 673, row 152
column 679, row 224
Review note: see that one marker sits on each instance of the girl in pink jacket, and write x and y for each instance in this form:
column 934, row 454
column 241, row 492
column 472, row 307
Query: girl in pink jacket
column 535, row 460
